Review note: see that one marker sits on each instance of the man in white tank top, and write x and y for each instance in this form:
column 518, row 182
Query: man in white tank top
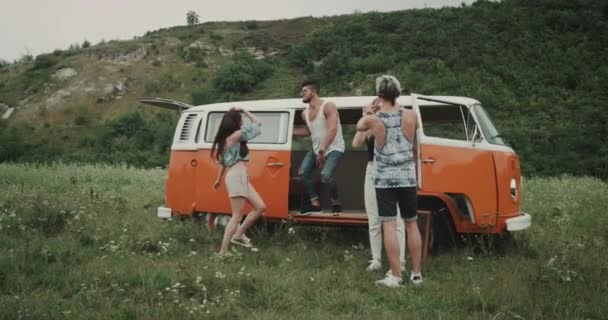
column 323, row 126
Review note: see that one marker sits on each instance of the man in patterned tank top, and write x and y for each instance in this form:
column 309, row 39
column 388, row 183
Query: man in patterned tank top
column 395, row 175
column 323, row 126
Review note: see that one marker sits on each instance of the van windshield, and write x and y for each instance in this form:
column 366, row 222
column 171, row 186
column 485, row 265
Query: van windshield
column 487, row 126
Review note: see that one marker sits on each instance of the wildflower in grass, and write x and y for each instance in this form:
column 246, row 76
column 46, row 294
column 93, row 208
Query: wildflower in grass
column 291, row 230
column 348, row 256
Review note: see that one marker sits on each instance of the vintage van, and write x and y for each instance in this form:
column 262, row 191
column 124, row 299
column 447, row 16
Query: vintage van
column 469, row 178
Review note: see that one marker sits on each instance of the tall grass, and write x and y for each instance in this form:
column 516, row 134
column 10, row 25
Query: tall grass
column 83, row 241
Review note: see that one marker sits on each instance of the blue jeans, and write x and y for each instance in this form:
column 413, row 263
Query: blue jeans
column 309, row 164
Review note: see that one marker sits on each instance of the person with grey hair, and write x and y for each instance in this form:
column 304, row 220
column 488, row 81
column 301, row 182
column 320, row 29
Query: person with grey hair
column 395, row 175
column 371, row 206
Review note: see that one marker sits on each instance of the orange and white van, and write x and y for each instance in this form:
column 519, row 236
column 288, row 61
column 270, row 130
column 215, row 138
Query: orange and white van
column 469, row 178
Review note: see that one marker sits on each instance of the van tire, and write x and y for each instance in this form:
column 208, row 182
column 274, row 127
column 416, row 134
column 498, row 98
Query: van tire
column 444, row 235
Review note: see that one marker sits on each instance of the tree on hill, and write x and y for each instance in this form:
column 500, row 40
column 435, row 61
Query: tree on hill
column 192, row 18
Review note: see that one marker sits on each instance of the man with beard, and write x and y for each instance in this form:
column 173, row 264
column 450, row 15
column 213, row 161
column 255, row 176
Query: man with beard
column 323, row 126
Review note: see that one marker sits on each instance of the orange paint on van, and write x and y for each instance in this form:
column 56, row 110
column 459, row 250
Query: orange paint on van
column 189, row 186
column 507, row 168
column 268, row 173
column 180, row 186
column 467, row 171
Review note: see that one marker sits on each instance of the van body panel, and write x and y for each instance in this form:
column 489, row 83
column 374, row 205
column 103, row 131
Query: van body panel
column 507, row 171
column 459, row 169
column 268, row 173
column 268, row 166
column 180, row 185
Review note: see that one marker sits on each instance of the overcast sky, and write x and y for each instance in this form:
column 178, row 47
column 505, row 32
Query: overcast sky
column 40, row 26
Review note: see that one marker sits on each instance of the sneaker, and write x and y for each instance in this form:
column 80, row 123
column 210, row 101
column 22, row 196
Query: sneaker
column 336, row 209
column 374, row 265
column 402, row 268
column 390, row 281
column 416, row 278
column 310, row 209
column 242, row 241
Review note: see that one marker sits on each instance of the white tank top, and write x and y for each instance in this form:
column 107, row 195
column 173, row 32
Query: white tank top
column 318, row 131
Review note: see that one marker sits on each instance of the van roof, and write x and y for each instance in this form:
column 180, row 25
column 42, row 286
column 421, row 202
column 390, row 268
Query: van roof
column 341, row 102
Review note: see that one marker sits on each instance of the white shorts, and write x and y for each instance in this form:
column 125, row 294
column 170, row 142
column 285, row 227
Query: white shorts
column 237, row 181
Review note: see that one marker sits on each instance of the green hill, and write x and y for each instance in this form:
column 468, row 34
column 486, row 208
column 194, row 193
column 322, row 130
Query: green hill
column 539, row 67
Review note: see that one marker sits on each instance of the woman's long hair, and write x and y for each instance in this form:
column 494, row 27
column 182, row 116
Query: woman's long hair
column 231, row 122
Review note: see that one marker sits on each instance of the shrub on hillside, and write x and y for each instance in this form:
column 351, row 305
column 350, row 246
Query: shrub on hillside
column 11, row 142
column 241, row 74
column 45, row 61
column 203, row 96
column 193, row 55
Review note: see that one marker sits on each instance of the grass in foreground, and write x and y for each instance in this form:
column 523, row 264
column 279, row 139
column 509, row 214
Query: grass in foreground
column 84, row 242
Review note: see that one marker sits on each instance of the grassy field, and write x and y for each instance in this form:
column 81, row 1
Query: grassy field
column 83, row 242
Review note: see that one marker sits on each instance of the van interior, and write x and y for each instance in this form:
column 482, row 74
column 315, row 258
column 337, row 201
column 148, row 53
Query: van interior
column 350, row 174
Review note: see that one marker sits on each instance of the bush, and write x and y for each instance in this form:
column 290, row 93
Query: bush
column 241, row 74
column 251, row 25
column 45, row 61
column 11, row 143
column 203, row 96
column 216, row 36
column 193, row 54
column 82, row 120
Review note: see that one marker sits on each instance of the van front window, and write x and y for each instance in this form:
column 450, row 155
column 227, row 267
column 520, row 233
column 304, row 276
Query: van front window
column 487, row 126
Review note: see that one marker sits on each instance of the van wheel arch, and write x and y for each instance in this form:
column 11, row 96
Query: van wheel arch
column 444, row 233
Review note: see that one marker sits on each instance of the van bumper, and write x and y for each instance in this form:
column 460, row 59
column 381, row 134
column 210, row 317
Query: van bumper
column 522, row 222
column 163, row 212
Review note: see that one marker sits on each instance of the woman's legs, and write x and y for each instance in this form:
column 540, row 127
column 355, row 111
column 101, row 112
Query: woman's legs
column 236, row 204
column 258, row 210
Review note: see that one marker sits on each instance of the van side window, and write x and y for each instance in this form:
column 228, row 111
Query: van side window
column 448, row 122
column 275, row 126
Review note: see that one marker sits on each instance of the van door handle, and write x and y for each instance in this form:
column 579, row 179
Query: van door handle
column 429, row 160
column 275, row 164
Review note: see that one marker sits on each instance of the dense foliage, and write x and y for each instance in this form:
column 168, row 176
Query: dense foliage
column 539, row 67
